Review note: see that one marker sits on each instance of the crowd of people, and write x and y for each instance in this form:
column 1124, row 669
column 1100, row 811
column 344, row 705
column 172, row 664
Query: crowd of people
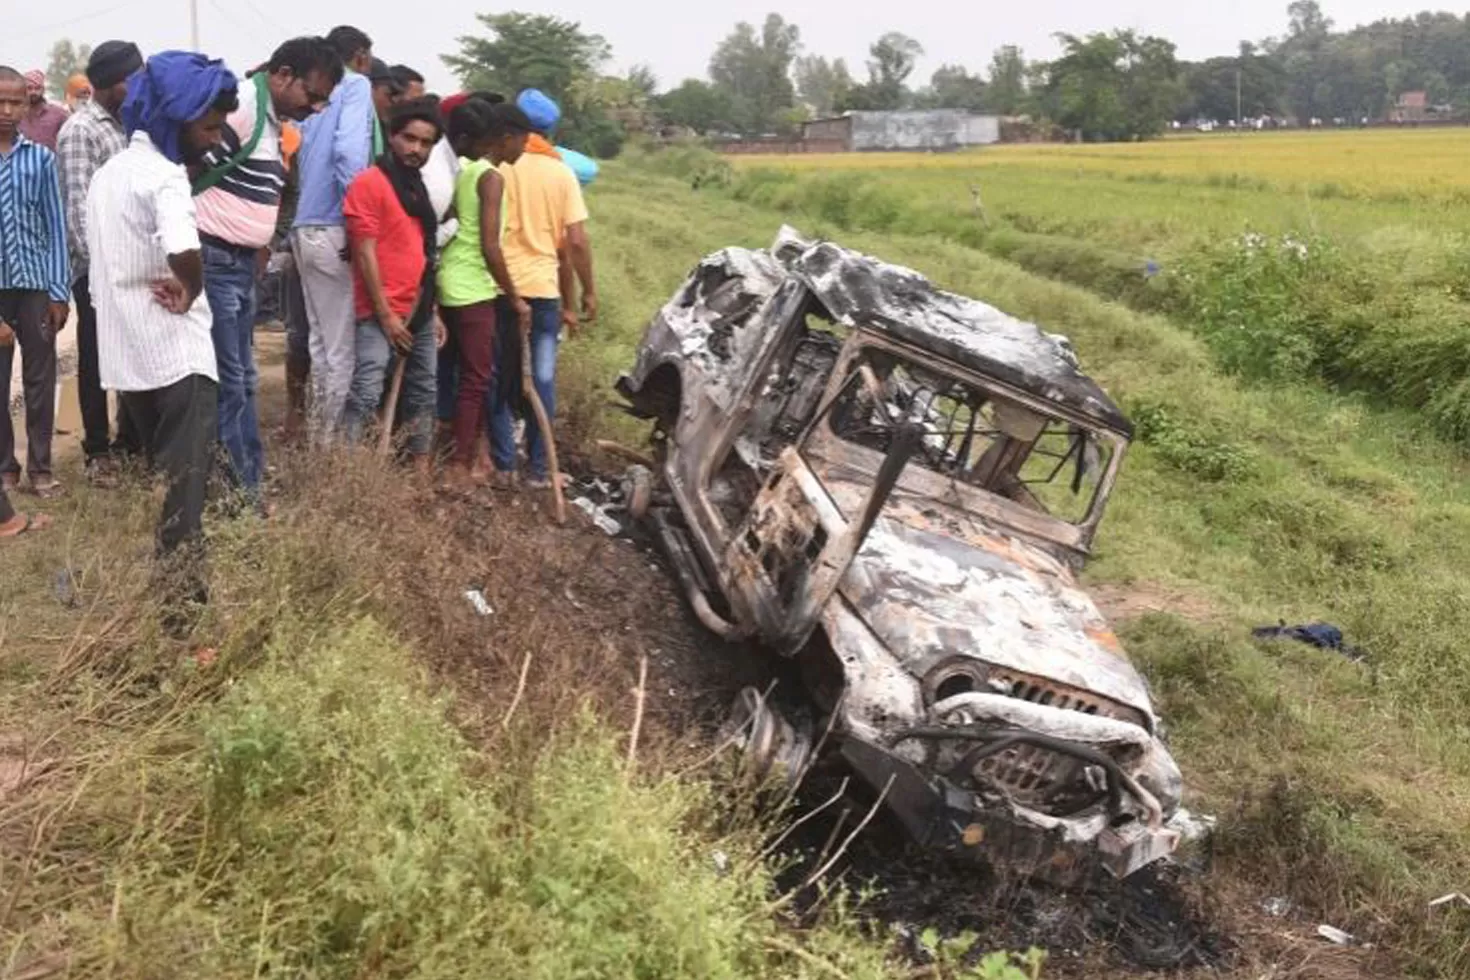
column 424, row 236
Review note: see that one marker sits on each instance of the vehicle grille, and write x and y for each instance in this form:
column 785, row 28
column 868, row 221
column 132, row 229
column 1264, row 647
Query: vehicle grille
column 1037, row 777
column 1039, row 690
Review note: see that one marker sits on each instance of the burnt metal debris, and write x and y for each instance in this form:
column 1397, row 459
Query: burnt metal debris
column 895, row 486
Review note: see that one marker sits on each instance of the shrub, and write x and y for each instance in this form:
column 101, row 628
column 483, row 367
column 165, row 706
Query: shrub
column 1188, row 446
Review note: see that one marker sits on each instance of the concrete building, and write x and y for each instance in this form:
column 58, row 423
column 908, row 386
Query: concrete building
column 931, row 129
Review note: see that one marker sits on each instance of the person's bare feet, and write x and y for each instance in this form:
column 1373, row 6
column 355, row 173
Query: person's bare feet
column 24, row 524
column 459, row 478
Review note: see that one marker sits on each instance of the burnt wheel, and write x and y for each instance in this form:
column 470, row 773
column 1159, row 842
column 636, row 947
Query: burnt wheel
column 770, row 745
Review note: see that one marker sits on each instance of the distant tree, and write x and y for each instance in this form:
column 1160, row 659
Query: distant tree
column 891, row 62
column 821, row 84
column 1006, row 92
column 64, row 61
column 953, row 87
column 1210, row 87
column 753, row 69
column 554, row 55
column 697, row 105
column 642, row 78
column 1117, row 86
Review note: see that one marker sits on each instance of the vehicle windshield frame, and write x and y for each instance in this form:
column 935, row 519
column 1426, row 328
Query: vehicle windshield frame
column 819, row 441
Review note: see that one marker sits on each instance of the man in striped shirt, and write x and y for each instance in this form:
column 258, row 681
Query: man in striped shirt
column 92, row 136
column 238, row 200
column 35, row 286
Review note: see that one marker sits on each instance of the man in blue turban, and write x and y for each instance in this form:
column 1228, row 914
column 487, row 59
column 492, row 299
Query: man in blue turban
column 155, row 348
column 175, row 89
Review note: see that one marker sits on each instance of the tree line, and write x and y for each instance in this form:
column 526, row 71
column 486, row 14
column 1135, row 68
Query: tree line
column 1114, row 85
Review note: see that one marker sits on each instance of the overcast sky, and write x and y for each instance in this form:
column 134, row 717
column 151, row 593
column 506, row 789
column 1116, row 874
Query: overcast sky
column 676, row 37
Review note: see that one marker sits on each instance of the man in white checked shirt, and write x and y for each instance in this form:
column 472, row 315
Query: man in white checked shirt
column 147, row 276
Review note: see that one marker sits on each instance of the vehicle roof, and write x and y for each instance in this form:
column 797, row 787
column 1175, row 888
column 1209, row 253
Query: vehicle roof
column 860, row 290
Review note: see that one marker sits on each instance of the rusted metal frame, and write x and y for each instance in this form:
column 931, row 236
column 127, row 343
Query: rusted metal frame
column 1043, row 406
column 820, row 442
column 680, row 558
column 840, row 551
column 711, row 427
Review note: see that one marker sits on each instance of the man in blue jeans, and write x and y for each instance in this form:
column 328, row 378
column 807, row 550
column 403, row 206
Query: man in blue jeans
column 391, row 227
column 548, row 253
column 238, row 200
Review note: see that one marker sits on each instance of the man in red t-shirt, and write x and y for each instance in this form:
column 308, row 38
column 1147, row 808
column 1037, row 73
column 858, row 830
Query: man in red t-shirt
column 391, row 227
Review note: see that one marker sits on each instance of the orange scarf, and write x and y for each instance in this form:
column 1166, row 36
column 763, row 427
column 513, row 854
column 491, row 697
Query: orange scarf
column 536, row 143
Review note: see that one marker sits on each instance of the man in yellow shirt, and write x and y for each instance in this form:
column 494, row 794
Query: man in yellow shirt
column 548, row 254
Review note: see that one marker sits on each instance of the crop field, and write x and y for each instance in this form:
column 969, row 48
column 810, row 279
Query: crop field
column 1377, row 164
column 1383, row 188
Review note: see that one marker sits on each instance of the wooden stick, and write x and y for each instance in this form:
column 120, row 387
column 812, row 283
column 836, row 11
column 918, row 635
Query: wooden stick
column 385, row 440
column 520, row 690
column 543, row 421
column 638, row 698
column 633, row 455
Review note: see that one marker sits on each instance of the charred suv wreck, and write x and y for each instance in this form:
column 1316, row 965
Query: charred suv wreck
column 895, row 485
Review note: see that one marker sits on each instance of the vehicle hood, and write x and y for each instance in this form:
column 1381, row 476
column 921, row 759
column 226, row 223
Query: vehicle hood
column 929, row 596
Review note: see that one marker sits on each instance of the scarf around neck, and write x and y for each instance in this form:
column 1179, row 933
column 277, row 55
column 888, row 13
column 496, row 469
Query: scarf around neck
column 408, row 185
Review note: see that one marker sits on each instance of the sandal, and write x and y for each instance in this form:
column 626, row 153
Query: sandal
column 33, row 522
column 49, row 490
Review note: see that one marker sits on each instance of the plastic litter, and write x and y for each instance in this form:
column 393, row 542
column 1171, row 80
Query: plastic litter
column 599, row 515
column 1336, row 936
column 1276, row 907
column 64, row 587
column 477, row 600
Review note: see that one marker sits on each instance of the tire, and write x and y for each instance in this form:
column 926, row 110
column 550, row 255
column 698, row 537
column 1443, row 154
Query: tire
column 771, row 747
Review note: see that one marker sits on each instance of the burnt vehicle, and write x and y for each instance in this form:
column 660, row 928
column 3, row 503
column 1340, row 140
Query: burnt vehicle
column 895, row 485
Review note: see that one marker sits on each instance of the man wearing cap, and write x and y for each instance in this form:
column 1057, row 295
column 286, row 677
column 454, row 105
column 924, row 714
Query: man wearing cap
column 337, row 144
column 92, row 136
column 544, row 242
column 43, row 119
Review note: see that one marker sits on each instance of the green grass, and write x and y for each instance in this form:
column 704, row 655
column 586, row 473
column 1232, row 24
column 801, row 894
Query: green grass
column 1247, row 504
